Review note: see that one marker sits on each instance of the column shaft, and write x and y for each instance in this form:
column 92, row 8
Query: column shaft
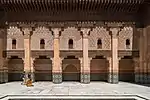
column 141, row 53
column 85, row 75
column 57, row 68
column 1, row 62
column 145, row 56
column 3, row 68
column 27, row 52
column 136, row 69
column 32, row 70
column 114, row 52
column 109, row 70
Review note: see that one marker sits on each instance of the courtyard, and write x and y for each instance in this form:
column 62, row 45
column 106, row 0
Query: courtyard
column 75, row 88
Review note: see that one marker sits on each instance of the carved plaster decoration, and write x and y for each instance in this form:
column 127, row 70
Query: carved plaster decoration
column 42, row 33
column 99, row 33
column 124, row 34
column 14, row 33
column 71, row 33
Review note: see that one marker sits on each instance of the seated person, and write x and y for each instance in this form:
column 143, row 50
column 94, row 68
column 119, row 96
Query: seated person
column 29, row 83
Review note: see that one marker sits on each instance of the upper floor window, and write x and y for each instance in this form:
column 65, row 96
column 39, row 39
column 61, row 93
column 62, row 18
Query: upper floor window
column 42, row 44
column 70, row 44
column 14, row 44
column 127, row 44
column 99, row 44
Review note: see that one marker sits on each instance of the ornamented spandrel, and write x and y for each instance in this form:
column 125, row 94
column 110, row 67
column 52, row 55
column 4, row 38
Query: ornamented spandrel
column 71, row 33
column 99, row 33
column 124, row 34
column 42, row 33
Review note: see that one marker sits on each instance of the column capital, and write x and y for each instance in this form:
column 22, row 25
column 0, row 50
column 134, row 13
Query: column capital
column 85, row 32
column 109, row 58
column 81, row 60
column 32, row 59
column 26, row 31
column 114, row 32
column 56, row 32
column 89, row 61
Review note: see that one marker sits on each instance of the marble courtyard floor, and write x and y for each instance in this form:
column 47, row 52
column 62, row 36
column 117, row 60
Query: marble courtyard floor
column 75, row 88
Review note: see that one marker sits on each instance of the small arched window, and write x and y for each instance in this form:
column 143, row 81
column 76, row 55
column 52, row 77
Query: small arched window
column 127, row 44
column 70, row 44
column 99, row 44
column 14, row 44
column 42, row 44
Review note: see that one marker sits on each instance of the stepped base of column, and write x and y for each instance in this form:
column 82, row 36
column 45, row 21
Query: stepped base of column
column 3, row 77
column 113, row 78
column 144, row 79
column 57, row 78
column 149, row 78
column 137, row 78
column 85, row 78
column 109, row 78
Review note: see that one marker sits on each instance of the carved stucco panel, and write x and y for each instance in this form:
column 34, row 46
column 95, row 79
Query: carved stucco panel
column 14, row 33
column 42, row 33
column 71, row 33
column 99, row 33
column 125, row 33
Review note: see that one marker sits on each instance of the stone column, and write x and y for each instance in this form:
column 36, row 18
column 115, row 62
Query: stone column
column 27, row 51
column 136, row 69
column 1, row 60
column 6, row 60
column 114, row 55
column 141, row 54
column 148, row 54
column 3, row 68
column 81, row 68
column 85, row 75
column 57, row 68
column 145, row 78
column 109, row 78
column 32, row 70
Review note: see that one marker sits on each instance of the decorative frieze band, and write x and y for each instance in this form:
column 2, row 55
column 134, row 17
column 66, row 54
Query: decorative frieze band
column 84, row 24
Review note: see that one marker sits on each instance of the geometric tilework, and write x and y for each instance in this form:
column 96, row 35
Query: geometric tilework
column 57, row 77
column 85, row 78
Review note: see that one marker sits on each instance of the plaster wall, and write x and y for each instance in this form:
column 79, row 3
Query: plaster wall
column 72, row 33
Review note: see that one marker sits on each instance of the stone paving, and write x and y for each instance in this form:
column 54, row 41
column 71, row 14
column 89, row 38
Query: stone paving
column 75, row 88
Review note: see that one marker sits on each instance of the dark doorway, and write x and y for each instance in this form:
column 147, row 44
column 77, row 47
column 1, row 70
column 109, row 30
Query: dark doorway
column 98, row 69
column 43, row 69
column 15, row 69
column 71, row 73
column 126, row 69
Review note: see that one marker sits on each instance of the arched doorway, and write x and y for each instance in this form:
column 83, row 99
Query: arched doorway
column 71, row 69
column 43, row 69
column 98, row 69
column 71, row 73
column 15, row 69
column 126, row 69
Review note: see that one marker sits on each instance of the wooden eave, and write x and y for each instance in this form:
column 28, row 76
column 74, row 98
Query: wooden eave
column 71, row 5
